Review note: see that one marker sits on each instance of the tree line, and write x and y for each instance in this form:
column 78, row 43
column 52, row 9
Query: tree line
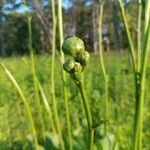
column 80, row 18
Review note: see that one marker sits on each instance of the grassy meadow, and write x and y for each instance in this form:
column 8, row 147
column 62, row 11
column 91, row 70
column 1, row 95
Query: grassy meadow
column 15, row 132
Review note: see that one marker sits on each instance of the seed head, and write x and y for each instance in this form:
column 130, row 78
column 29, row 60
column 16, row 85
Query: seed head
column 83, row 58
column 68, row 66
column 73, row 46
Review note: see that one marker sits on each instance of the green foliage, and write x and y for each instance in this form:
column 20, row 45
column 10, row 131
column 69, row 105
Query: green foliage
column 121, row 102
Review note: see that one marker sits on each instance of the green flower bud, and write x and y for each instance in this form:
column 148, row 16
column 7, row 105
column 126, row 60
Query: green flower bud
column 77, row 68
column 83, row 58
column 73, row 46
column 76, row 77
column 69, row 65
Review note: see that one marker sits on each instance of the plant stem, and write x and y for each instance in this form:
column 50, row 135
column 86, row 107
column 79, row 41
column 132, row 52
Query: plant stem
column 88, row 114
column 102, row 65
column 39, row 108
column 140, row 105
column 56, row 117
column 128, row 35
column 48, row 109
column 140, row 76
column 64, row 74
column 27, row 108
column 139, row 35
column 138, row 59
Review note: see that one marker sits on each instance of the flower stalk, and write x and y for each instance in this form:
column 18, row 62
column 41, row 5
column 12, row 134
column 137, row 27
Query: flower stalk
column 75, row 66
column 139, row 34
column 35, row 84
column 88, row 113
column 56, row 117
column 60, row 22
column 140, row 71
column 47, row 107
column 102, row 63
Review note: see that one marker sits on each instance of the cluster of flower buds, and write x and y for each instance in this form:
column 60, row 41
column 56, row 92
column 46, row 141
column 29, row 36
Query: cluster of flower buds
column 74, row 47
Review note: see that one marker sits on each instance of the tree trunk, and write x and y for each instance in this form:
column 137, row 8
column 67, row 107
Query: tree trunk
column 95, row 26
column 2, row 48
column 74, row 21
column 116, row 27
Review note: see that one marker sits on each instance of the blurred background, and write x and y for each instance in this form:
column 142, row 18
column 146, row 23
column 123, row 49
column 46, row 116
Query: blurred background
column 80, row 17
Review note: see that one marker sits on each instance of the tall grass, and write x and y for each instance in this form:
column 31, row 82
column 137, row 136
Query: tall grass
column 102, row 62
column 47, row 107
column 140, row 71
column 56, row 117
column 45, row 102
column 35, row 84
column 64, row 74
column 27, row 108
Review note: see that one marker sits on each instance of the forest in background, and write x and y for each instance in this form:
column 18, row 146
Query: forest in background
column 80, row 17
column 67, row 98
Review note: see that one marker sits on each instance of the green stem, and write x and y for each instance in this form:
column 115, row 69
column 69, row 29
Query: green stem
column 139, row 77
column 64, row 75
column 39, row 108
column 48, row 109
column 139, row 35
column 102, row 65
column 27, row 108
column 140, row 106
column 67, row 118
column 56, row 117
column 88, row 114
column 138, row 60
column 128, row 36
column 106, row 103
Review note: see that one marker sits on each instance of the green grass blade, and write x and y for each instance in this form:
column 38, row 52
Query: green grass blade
column 24, row 100
column 128, row 35
column 103, row 65
column 56, row 117
column 35, row 85
column 48, row 109
column 64, row 74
